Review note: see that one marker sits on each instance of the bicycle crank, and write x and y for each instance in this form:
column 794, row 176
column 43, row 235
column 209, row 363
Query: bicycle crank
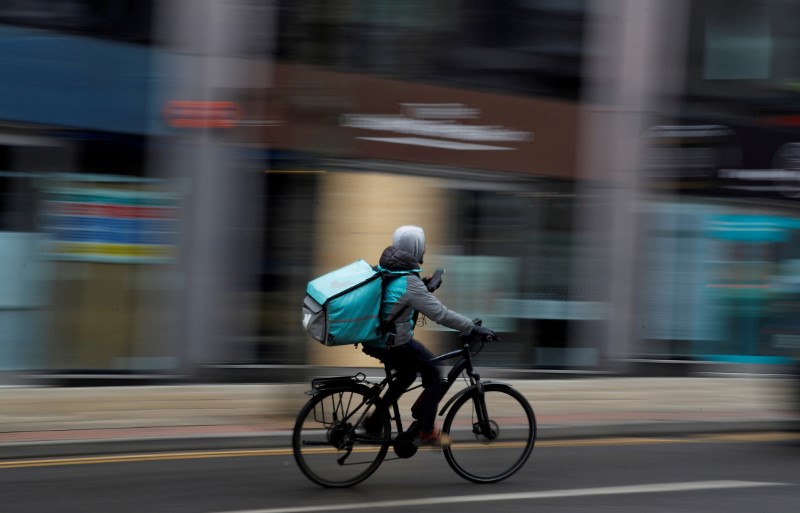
column 404, row 446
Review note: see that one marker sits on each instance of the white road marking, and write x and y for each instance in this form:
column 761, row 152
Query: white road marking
column 548, row 494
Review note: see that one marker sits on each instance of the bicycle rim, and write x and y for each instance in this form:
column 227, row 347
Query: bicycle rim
column 489, row 459
column 330, row 444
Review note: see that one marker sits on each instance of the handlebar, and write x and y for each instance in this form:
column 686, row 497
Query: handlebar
column 466, row 340
column 488, row 338
column 474, row 337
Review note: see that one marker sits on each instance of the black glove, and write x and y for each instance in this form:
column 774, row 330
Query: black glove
column 484, row 333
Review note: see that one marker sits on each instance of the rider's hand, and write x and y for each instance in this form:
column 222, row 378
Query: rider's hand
column 435, row 281
column 484, row 333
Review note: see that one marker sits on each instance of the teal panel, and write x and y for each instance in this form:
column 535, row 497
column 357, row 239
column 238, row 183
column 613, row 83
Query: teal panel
column 340, row 280
column 743, row 228
column 353, row 317
column 746, row 359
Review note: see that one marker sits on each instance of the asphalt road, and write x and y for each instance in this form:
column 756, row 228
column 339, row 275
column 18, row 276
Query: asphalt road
column 744, row 473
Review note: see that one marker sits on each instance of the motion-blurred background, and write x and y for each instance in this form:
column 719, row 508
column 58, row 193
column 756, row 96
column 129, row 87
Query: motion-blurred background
column 611, row 184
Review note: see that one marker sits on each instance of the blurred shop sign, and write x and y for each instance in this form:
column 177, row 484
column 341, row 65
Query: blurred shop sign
column 111, row 225
column 437, row 126
column 202, row 114
column 689, row 151
column 741, row 160
column 363, row 117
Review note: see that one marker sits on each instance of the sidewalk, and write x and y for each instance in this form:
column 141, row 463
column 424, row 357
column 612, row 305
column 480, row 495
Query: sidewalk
column 42, row 422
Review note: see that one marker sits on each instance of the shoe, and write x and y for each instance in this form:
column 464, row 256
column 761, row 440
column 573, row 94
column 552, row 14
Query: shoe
column 434, row 437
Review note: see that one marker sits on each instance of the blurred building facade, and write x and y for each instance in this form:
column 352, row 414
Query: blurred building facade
column 174, row 174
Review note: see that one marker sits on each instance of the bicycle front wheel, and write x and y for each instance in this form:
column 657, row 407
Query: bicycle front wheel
column 330, row 443
column 497, row 449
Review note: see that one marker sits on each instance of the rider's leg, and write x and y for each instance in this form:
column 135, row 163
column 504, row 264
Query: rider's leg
column 412, row 357
column 408, row 360
column 404, row 375
column 431, row 382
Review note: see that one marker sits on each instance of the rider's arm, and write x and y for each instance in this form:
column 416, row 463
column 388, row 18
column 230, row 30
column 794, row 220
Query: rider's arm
column 423, row 301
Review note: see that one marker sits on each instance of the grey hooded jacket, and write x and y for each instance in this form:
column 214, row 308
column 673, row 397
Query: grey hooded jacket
column 406, row 294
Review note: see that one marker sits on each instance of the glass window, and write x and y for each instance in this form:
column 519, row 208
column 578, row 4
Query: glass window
column 127, row 20
column 522, row 46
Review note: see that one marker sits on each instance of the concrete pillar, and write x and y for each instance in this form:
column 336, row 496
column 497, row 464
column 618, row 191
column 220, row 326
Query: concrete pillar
column 632, row 54
column 206, row 54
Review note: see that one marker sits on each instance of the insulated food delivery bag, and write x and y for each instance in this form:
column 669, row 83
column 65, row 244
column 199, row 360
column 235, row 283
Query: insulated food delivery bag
column 342, row 307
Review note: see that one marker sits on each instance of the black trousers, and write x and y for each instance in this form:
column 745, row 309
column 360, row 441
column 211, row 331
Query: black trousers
column 408, row 360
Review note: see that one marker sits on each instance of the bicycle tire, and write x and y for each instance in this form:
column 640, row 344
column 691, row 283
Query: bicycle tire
column 514, row 422
column 329, row 442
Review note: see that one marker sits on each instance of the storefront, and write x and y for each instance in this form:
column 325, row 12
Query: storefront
column 720, row 244
column 488, row 175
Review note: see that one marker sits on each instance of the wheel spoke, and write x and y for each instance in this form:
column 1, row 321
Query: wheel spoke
column 509, row 431
column 327, row 447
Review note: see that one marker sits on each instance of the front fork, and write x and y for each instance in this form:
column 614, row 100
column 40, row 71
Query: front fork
column 484, row 425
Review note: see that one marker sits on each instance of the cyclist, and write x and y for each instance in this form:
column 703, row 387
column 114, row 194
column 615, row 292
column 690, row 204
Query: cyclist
column 404, row 298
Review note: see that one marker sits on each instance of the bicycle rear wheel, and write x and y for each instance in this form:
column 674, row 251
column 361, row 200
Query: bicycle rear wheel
column 510, row 442
column 331, row 445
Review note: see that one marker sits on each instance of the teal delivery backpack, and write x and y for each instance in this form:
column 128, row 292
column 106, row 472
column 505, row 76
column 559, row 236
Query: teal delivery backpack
column 342, row 307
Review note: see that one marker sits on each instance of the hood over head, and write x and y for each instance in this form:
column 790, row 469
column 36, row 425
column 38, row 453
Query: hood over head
column 410, row 239
column 396, row 259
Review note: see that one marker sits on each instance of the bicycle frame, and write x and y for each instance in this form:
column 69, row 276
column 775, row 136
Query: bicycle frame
column 337, row 423
column 464, row 366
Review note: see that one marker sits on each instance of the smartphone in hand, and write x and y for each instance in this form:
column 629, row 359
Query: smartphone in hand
column 435, row 281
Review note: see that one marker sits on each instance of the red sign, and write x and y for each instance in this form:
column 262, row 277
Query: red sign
column 200, row 114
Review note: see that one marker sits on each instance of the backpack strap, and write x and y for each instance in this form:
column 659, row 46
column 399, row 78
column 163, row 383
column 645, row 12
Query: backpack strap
column 388, row 325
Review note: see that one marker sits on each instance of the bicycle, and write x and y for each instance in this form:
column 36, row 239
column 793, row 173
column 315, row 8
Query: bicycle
column 334, row 448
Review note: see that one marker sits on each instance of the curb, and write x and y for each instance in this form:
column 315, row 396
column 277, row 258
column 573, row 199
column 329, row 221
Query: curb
column 282, row 439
